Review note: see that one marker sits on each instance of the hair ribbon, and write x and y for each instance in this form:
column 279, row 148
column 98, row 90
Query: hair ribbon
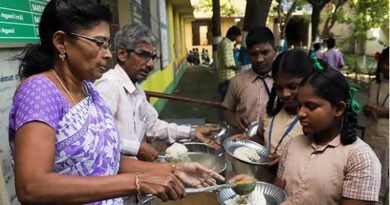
column 317, row 65
column 352, row 101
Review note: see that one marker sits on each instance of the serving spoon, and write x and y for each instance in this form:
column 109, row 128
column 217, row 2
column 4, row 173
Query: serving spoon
column 252, row 129
column 241, row 187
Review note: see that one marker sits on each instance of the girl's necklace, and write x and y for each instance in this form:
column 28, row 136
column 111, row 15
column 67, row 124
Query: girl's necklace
column 63, row 86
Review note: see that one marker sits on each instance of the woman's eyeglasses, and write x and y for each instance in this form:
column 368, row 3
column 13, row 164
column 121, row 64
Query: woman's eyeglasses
column 144, row 55
column 100, row 43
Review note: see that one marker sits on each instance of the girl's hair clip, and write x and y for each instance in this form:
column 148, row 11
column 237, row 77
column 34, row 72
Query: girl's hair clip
column 317, row 65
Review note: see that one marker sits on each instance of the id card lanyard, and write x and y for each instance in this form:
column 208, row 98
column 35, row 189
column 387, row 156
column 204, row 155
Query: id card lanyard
column 290, row 127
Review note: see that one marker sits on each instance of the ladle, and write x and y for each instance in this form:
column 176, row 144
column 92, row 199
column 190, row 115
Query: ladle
column 241, row 187
column 220, row 134
column 252, row 129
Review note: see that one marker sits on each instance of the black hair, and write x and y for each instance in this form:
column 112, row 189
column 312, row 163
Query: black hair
column 384, row 57
column 331, row 42
column 317, row 46
column 332, row 86
column 260, row 35
column 233, row 32
column 65, row 15
column 294, row 62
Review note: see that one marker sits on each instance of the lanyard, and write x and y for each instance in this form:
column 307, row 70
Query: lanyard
column 283, row 136
column 377, row 96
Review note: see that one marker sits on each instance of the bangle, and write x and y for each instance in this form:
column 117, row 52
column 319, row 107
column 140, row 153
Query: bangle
column 138, row 187
column 173, row 168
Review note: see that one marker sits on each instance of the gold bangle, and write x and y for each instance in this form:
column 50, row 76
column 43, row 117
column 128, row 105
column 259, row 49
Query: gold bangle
column 138, row 187
column 173, row 168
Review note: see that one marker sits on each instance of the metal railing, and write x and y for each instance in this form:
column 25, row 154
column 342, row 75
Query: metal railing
column 150, row 94
column 214, row 104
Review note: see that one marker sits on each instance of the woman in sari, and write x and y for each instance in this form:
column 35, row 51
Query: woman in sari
column 64, row 143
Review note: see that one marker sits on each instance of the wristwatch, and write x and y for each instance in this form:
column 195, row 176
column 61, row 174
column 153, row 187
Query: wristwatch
column 192, row 132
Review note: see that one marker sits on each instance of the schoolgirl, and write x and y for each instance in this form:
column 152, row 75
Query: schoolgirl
column 281, row 124
column 328, row 164
column 377, row 112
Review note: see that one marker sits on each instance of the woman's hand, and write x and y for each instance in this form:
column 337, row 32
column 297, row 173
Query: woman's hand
column 196, row 175
column 206, row 133
column 164, row 185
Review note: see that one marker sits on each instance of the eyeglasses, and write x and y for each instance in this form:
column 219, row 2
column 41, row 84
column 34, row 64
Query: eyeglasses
column 144, row 55
column 100, row 43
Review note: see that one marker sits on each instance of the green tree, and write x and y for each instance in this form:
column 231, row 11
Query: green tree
column 226, row 8
column 317, row 6
column 284, row 15
column 256, row 13
column 367, row 14
column 335, row 15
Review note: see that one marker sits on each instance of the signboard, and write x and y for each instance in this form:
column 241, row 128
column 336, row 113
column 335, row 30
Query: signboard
column 164, row 39
column 19, row 20
column 136, row 11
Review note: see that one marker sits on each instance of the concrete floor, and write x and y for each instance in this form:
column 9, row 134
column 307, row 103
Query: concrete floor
column 197, row 82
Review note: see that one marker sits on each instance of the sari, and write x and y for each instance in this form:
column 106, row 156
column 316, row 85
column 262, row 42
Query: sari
column 87, row 141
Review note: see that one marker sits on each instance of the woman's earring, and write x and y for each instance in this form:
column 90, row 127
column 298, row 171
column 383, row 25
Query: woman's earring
column 62, row 56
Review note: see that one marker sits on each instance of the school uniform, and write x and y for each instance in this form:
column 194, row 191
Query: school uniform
column 279, row 130
column 322, row 175
column 377, row 131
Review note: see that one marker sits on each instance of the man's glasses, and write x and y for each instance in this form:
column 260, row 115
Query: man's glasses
column 144, row 55
column 100, row 43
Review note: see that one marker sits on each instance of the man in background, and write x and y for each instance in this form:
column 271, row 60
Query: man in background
column 333, row 57
column 225, row 59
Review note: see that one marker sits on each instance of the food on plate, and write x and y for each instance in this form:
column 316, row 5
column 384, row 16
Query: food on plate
column 246, row 153
column 254, row 198
column 177, row 151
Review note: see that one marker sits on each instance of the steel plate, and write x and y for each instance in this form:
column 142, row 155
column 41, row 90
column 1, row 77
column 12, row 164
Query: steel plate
column 229, row 145
column 272, row 194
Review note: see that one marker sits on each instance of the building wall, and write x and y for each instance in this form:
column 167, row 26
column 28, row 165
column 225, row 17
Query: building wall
column 342, row 31
column 226, row 23
column 165, row 79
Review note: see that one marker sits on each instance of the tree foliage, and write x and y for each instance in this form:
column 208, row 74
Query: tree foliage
column 226, row 8
column 284, row 14
column 367, row 14
column 335, row 15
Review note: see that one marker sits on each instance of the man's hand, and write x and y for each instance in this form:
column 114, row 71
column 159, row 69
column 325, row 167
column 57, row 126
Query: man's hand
column 196, row 175
column 241, row 122
column 146, row 152
column 206, row 133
